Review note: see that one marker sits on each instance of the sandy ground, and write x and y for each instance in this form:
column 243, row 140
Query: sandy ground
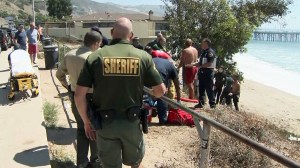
column 276, row 106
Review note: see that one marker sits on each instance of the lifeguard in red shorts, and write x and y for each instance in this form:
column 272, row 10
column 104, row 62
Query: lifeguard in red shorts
column 188, row 56
column 32, row 36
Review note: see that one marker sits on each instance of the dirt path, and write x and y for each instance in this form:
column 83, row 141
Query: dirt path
column 23, row 140
column 62, row 141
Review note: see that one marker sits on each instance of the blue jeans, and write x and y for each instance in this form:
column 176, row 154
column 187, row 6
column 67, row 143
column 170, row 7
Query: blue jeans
column 162, row 108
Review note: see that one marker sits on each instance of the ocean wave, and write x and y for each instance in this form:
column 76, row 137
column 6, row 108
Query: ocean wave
column 282, row 54
column 268, row 74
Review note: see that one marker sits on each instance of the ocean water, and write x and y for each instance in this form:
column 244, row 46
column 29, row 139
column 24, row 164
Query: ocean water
column 275, row 64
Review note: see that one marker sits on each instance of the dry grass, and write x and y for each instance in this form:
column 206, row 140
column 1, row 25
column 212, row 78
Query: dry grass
column 229, row 152
column 60, row 158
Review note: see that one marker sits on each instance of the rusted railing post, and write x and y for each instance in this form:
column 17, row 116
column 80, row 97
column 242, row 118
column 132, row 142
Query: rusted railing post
column 205, row 146
column 204, row 136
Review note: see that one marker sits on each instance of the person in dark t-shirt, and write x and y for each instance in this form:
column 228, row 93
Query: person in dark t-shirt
column 20, row 38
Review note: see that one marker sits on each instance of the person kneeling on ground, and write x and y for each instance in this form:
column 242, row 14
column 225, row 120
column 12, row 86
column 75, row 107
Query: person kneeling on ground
column 167, row 72
column 227, row 89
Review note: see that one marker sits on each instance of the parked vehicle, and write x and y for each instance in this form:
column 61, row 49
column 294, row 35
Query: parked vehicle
column 5, row 40
column 11, row 32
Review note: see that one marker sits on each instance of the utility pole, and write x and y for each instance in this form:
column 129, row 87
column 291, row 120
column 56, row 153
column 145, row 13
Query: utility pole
column 45, row 6
column 33, row 12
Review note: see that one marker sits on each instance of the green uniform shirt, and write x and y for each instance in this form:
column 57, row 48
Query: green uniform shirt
column 118, row 73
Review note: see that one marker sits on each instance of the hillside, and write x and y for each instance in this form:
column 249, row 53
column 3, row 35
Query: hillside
column 12, row 7
column 157, row 9
column 85, row 7
column 80, row 8
column 19, row 8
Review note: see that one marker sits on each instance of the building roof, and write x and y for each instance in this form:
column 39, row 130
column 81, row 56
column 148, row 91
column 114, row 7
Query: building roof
column 115, row 16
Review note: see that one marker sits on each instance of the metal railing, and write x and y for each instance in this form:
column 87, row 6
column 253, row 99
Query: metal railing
column 204, row 134
column 204, row 131
column 62, row 49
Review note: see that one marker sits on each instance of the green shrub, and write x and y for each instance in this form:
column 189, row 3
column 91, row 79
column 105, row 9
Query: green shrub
column 62, row 52
column 50, row 114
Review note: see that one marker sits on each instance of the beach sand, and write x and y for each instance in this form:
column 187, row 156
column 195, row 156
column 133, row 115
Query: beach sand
column 276, row 106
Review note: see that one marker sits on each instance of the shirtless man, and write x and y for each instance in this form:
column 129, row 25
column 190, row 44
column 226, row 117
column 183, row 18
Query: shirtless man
column 235, row 92
column 189, row 56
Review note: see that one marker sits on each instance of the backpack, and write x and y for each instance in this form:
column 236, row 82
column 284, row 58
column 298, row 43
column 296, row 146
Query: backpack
column 178, row 116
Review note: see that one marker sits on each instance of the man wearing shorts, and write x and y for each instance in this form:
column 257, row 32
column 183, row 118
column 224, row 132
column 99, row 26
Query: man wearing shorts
column 189, row 56
column 32, row 36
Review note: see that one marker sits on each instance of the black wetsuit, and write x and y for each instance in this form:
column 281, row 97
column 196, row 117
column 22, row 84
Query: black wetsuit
column 220, row 78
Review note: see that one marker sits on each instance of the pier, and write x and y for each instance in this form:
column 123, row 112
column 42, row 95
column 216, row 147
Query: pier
column 279, row 36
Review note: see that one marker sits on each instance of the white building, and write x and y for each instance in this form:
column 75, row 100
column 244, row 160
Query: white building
column 144, row 26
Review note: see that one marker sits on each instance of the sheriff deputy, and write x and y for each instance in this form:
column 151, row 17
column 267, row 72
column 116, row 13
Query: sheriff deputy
column 118, row 73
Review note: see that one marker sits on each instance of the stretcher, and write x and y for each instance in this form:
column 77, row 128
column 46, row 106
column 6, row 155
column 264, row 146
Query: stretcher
column 22, row 75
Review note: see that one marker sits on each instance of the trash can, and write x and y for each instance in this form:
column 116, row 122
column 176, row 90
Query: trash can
column 51, row 56
column 47, row 41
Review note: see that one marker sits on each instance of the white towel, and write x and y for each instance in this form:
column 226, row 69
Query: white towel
column 21, row 63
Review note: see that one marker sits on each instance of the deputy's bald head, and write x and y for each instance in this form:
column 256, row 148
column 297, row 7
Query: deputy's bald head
column 122, row 29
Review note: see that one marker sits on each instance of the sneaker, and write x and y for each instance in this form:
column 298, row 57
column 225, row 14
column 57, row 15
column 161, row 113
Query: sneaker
column 198, row 106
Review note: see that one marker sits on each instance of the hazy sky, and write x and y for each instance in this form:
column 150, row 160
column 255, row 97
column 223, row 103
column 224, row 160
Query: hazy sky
column 133, row 2
column 291, row 21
